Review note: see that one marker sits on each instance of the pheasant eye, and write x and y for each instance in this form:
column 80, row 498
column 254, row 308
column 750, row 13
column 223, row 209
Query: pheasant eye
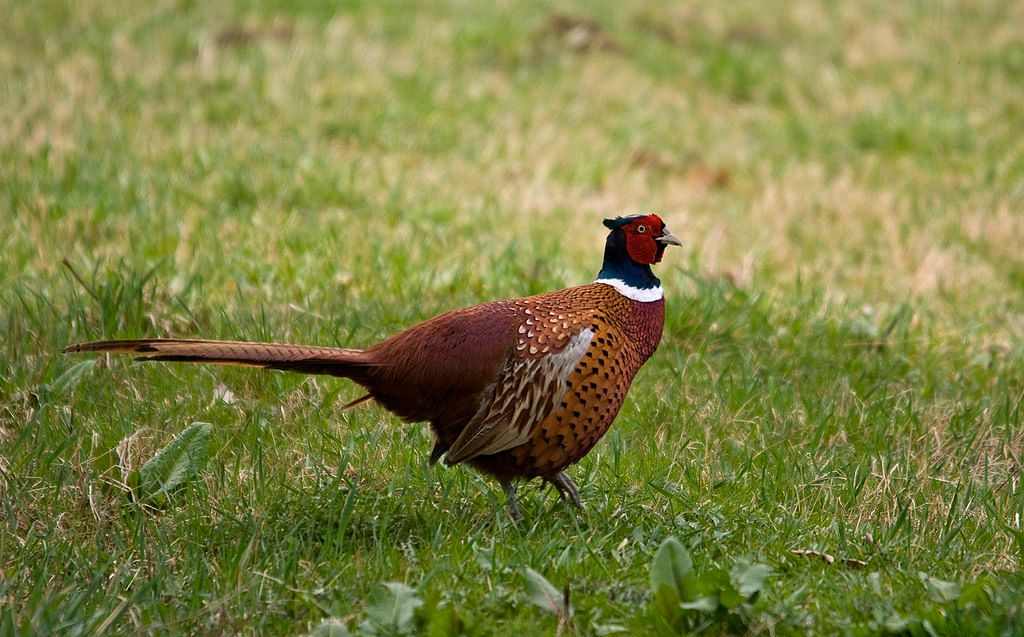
column 641, row 229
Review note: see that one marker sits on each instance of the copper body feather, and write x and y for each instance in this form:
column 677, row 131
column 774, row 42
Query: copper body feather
column 519, row 388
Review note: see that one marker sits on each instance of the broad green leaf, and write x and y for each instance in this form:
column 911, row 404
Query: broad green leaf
column 729, row 597
column 716, row 582
column 666, row 601
column 182, row 459
column 673, row 567
column 540, row 592
column 391, row 606
column 330, row 628
column 672, row 579
column 942, row 591
column 748, row 578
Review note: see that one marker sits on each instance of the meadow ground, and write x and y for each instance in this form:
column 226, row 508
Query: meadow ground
column 842, row 368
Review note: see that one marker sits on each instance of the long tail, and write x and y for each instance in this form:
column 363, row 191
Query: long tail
column 307, row 359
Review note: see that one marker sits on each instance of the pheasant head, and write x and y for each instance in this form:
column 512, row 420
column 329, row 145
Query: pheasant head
column 634, row 243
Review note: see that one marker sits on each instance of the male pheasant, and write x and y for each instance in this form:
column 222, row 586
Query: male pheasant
column 516, row 389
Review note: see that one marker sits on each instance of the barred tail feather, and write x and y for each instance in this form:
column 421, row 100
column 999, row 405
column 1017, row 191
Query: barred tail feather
column 308, row 359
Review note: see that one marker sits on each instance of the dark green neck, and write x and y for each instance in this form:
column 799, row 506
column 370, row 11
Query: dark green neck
column 618, row 265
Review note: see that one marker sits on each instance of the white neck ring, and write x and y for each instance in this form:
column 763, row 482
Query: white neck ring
column 643, row 295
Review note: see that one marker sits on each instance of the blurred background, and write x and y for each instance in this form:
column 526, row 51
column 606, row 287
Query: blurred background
column 874, row 150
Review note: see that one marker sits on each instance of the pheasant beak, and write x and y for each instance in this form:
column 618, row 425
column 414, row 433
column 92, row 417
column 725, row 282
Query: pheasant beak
column 669, row 239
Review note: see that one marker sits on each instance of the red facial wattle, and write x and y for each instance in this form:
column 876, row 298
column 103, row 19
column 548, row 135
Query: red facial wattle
column 640, row 239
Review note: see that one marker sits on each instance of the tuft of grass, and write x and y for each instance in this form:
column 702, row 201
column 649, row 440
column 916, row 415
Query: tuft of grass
column 840, row 375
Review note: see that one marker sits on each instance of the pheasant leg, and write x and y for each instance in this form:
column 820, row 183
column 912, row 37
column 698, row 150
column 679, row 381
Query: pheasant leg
column 510, row 497
column 566, row 488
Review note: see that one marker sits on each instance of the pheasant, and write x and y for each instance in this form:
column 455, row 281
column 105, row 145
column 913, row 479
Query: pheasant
column 516, row 389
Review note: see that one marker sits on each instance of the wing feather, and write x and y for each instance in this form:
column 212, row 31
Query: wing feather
column 528, row 389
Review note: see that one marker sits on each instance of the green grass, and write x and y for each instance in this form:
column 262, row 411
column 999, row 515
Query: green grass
column 842, row 368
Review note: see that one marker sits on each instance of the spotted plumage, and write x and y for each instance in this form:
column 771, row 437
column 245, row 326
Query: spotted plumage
column 516, row 389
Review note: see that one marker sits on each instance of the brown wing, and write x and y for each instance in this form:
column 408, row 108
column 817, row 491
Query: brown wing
column 528, row 389
column 595, row 392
